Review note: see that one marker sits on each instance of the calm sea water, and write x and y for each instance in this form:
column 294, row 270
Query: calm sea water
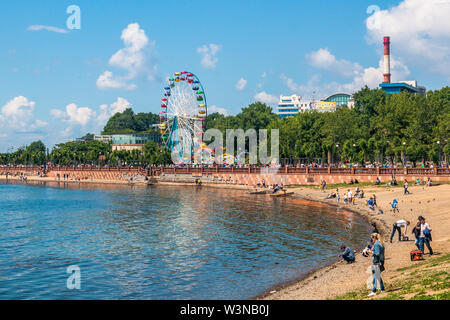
column 164, row 242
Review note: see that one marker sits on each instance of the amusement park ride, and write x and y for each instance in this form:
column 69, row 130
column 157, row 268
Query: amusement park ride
column 183, row 118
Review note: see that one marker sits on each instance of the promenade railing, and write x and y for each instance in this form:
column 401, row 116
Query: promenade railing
column 235, row 170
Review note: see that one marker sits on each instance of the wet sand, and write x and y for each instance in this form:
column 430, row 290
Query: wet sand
column 339, row 278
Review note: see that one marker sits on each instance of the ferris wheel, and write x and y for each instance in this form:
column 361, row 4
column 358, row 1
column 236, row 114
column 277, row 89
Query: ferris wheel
column 183, row 117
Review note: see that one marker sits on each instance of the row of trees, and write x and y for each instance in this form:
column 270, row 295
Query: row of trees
column 128, row 122
column 85, row 152
column 35, row 153
column 396, row 127
column 380, row 126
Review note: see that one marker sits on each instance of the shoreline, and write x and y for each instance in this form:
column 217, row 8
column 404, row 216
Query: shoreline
column 332, row 279
column 331, row 265
column 336, row 278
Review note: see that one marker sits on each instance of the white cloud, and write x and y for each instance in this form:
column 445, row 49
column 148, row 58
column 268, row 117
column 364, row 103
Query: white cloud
column 81, row 119
column 108, row 81
column 370, row 76
column 214, row 108
column 266, row 98
column 323, row 59
column 17, row 123
column 120, row 105
column 307, row 91
column 208, row 53
column 74, row 114
column 240, row 85
column 18, row 113
column 107, row 112
column 133, row 58
column 263, row 76
column 48, row 28
column 419, row 31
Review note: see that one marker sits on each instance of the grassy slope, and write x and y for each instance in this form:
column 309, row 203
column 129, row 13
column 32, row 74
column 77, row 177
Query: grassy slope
column 425, row 280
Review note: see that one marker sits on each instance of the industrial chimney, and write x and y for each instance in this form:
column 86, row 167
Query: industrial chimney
column 387, row 60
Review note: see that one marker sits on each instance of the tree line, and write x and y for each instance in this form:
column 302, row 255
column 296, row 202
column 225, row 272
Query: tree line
column 380, row 126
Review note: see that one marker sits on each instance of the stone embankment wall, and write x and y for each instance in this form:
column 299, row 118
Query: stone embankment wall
column 243, row 176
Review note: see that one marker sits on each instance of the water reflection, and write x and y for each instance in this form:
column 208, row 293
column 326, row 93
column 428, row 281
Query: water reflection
column 161, row 242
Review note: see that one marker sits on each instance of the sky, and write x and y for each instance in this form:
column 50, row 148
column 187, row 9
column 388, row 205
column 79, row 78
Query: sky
column 65, row 70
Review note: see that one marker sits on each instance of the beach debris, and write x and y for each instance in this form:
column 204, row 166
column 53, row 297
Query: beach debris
column 273, row 291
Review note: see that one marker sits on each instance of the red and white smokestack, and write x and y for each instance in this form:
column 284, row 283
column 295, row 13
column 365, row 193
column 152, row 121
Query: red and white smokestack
column 387, row 60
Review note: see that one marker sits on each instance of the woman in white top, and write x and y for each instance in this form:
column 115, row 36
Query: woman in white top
column 398, row 227
column 425, row 235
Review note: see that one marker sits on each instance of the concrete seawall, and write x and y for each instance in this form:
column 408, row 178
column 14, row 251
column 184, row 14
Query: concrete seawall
column 240, row 176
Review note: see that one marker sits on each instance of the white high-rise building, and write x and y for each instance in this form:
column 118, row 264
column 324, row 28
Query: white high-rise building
column 292, row 105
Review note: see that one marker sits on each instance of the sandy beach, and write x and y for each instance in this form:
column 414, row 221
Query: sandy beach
column 340, row 278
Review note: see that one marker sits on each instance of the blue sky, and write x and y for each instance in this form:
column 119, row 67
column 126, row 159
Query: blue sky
column 242, row 51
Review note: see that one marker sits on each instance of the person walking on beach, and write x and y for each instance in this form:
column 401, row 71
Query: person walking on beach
column 398, row 227
column 377, row 263
column 405, row 185
column 425, row 236
column 350, row 196
column 323, row 185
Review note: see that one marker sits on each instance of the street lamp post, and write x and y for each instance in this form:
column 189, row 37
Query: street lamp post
column 337, row 147
column 403, row 153
column 439, row 152
column 354, row 151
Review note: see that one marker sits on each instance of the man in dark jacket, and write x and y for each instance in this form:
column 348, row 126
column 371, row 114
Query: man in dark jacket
column 416, row 232
column 347, row 254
